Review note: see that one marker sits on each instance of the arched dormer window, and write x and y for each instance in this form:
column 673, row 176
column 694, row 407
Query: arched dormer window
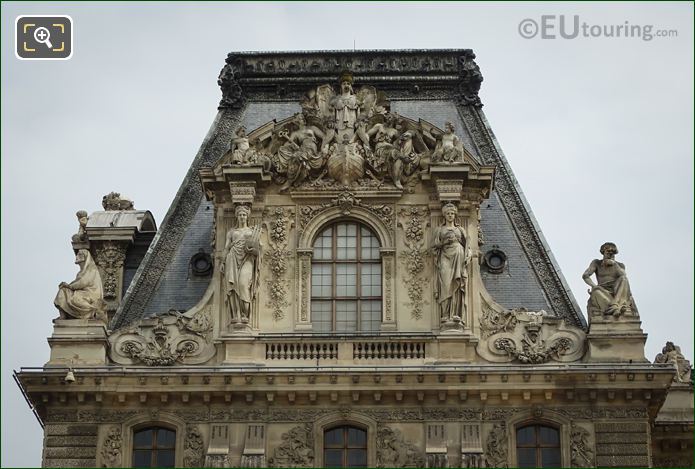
column 154, row 447
column 538, row 446
column 346, row 279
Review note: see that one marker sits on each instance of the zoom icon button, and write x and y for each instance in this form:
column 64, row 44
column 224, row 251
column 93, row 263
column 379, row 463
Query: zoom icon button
column 43, row 37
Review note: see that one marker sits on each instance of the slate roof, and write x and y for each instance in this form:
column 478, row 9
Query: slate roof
column 254, row 94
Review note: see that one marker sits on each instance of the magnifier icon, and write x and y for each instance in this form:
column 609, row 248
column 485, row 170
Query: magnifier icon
column 43, row 35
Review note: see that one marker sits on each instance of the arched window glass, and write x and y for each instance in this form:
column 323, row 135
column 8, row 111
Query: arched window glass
column 345, row 446
column 346, row 279
column 538, row 446
column 154, row 447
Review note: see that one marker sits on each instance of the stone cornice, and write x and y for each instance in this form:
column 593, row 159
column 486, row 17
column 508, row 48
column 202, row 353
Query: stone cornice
column 263, row 75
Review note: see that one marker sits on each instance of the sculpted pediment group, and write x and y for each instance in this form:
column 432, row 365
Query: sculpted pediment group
column 345, row 138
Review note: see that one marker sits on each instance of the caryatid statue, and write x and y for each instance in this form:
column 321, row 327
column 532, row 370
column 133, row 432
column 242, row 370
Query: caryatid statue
column 611, row 294
column 83, row 298
column 241, row 266
column 453, row 255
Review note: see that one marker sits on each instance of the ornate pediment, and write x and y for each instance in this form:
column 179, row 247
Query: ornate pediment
column 345, row 138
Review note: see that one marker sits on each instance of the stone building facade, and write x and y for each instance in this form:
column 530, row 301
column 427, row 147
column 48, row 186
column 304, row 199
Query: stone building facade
column 349, row 275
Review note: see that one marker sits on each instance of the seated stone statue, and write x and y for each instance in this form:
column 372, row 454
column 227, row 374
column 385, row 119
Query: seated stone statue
column 611, row 295
column 83, row 298
column 672, row 354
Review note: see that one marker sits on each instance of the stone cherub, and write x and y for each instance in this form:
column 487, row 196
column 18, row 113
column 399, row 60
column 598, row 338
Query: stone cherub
column 611, row 294
column 83, row 298
column 672, row 354
column 81, row 235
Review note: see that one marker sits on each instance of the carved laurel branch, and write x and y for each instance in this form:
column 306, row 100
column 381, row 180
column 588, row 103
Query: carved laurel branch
column 414, row 221
column 281, row 221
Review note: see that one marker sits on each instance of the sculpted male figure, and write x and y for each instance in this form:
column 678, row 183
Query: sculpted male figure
column 611, row 295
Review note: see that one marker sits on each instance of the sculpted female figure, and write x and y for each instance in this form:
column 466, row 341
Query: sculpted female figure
column 300, row 153
column 83, row 298
column 452, row 257
column 241, row 266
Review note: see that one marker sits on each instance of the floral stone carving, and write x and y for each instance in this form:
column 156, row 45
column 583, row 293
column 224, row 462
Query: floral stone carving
column 111, row 448
column 165, row 340
column 413, row 222
column 296, row 449
column 528, row 337
column 110, row 256
column 281, row 222
column 393, row 451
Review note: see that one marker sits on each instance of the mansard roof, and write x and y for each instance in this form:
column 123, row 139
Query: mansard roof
column 436, row 86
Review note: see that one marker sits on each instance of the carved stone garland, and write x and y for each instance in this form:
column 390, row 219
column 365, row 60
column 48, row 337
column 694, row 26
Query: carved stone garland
column 296, row 449
column 193, row 450
column 278, row 233
column 393, row 451
column 111, row 448
column 414, row 254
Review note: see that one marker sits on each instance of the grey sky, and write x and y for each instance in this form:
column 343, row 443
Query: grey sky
column 599, row 132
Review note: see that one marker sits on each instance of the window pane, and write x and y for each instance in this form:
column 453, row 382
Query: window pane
column 549, row 436
column 357, row 438
column 333, row 458
column 346, row 242
column 165, row 458
column 357, row 458
column 166, row 438
column 370, row 280
column 370, row 246
column 324, row 245
column 345, row 316
column 321, row 280
column 142, row 439
column 334, row 437
column 551, row 457
column 526, row 457
column 370, row 315
column 322, row 316
column 526, row 436
column 142, row 458
column 345, row 280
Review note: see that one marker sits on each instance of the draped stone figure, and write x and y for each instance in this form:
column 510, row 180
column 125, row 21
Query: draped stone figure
column 241, row 266
column 83, row 298
column 611, row 294
column 452, row 257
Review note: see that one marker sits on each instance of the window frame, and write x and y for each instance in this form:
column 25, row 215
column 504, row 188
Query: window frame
column 139, row 421
column 153, row 449
column 538, row 445
column 359, row 262
column 346, row 427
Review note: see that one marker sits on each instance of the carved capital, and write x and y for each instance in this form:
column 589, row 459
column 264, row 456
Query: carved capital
column 242, row 192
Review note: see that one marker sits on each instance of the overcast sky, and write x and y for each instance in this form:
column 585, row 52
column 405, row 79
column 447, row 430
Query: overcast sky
column 598, row 130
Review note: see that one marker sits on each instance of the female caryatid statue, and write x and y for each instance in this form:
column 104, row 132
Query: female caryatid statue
column 452, row 257
column 241, row 266
column 83, row 298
